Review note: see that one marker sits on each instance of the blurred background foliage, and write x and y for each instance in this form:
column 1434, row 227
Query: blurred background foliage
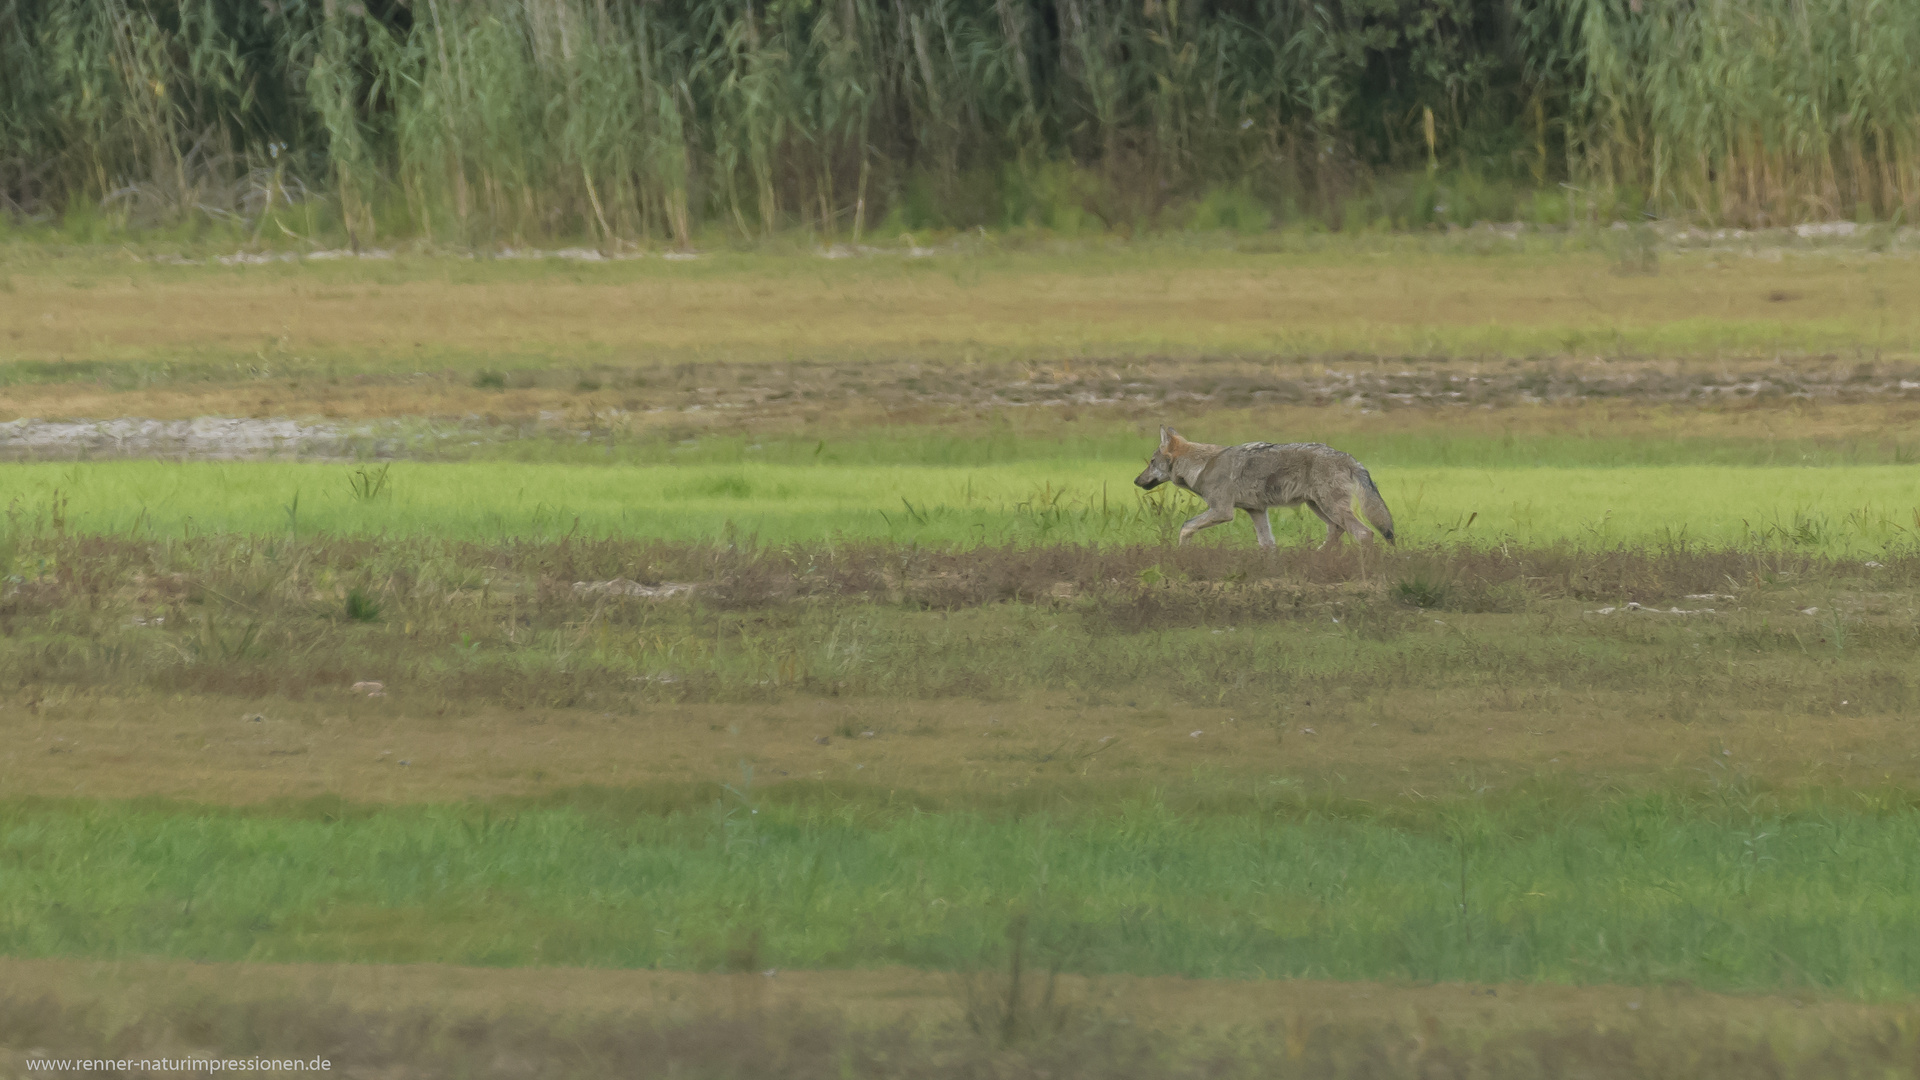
column 501, row 121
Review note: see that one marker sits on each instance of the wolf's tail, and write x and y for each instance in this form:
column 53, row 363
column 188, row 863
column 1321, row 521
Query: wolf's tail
column 1372, row 505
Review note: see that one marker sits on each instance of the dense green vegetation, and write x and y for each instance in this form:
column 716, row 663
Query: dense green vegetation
column 1625, row 891
column 507, row 119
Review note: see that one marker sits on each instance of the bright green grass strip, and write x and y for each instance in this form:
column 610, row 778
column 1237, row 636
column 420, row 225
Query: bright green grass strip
column 1634, row 892
column 1844, row 510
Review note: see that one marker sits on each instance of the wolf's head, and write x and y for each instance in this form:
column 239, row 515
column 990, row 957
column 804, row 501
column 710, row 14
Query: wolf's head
column 1160, row 467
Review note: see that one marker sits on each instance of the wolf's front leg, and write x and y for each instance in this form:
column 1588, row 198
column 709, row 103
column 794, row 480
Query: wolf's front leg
column 1262, row 527
column 1213, row 515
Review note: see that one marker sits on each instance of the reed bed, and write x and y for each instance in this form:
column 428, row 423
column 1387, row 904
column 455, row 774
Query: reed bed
column 504, row 120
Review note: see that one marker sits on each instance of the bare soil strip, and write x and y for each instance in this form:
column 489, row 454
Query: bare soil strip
column 1404, row 744
column 430, row 415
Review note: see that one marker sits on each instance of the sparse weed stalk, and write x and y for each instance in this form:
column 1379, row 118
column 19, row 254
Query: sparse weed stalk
column 1017, row 1005
column 369, row 484
column 215, row 641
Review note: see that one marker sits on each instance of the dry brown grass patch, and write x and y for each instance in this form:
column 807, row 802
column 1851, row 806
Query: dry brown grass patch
column 431, row 1020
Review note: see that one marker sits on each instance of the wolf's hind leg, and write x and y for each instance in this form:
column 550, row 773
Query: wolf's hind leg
column 1333, row 531
column 1212, row 516
column 1262, row 527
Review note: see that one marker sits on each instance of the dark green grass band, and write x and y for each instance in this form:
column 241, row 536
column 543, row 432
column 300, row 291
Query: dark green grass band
column 1646, row 890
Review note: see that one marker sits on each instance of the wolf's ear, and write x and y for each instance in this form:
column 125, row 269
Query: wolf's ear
column 1168, row 436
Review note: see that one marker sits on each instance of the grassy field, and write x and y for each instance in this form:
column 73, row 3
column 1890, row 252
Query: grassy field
column 720, row 617
column 1628, row 892
column 1856, row 511
column 1475, row 296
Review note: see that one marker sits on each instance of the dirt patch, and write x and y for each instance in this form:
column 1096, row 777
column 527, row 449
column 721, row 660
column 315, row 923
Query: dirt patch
column 745, row 394
column 436, row 416
column 206, row 438
column 627, row 587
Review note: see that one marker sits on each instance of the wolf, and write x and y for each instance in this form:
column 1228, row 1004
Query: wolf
column 1257, row 475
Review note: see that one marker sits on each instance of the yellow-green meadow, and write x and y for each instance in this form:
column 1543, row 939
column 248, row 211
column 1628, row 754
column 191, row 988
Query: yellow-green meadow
column 1856, row 511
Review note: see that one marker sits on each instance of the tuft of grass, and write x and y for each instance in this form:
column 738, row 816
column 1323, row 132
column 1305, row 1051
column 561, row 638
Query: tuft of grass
column 1421, row 591
column 360, row 607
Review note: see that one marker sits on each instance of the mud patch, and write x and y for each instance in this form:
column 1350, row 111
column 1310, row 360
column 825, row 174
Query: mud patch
column 627, row 587
column 442, row 417
column 1232, row 383
column 207, row 438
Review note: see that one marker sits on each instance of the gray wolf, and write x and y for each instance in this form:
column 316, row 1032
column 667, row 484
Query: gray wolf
column 1256, row 476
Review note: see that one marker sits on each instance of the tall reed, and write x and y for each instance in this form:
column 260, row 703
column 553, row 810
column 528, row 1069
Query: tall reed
column 498, row 121
column 1756, row 111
